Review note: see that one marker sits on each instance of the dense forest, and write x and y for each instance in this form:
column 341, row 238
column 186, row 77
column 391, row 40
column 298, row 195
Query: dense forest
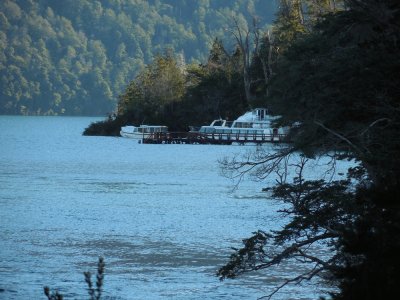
column 76, row 57
column 177, row 96
column 336, row 76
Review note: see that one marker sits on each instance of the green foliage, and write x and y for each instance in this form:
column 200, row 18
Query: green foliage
column 109, row 127
column 289, row 24
column 341, row 90
column 318, row 213
column 75, row 57
column 220, row 91
column 154, row 93
column 338, row 81
column 170, row 93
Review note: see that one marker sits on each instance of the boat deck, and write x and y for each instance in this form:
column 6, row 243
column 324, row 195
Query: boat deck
column 215, row 139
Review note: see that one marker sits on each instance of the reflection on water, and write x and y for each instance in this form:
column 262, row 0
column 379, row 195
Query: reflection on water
column 161, row 216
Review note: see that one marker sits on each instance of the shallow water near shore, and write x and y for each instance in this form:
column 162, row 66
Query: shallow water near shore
column 162, row 216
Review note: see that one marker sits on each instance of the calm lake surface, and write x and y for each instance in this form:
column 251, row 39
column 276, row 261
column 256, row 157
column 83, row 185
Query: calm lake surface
column 162, row 216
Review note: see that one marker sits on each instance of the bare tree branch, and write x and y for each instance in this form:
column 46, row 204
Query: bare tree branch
column 341, row 137
column 305, row 276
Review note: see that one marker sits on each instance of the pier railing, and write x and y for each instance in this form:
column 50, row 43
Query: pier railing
column 213, row 138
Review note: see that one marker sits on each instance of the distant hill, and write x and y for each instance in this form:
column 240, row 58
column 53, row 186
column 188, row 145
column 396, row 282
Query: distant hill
column 75, row 57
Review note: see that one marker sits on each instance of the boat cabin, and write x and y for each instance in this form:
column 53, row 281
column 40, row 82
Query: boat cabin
column 145, row 129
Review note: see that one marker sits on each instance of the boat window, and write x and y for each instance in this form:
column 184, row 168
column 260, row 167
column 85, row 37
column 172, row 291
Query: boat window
column 210, row 130
column 261, row 114
column 220, row 130
column 243, row 125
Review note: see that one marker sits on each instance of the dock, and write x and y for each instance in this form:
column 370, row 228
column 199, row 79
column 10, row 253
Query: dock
column 213, row 139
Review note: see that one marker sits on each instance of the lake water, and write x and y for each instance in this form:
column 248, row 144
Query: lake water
column 162, row 216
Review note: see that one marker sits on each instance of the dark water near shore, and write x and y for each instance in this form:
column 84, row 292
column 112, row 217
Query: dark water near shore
column 161, row 215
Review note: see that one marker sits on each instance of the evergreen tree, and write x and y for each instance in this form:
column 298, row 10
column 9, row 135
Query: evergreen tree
column 337, row 83
column 75, row 57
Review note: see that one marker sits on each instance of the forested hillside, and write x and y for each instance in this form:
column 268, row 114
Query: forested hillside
column 75, row 57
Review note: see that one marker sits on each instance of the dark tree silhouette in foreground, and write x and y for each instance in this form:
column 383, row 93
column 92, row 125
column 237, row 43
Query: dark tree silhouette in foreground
column 339, row 84
column 94, row 292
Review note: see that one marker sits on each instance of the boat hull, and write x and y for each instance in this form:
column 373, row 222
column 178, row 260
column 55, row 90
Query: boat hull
column 135, row 136
column 141, row 133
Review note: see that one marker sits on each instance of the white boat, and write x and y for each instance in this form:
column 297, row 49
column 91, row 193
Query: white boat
column 253, row 126
column 142, row 132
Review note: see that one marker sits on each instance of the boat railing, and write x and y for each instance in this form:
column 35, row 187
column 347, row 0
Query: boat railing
column 212, row 138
